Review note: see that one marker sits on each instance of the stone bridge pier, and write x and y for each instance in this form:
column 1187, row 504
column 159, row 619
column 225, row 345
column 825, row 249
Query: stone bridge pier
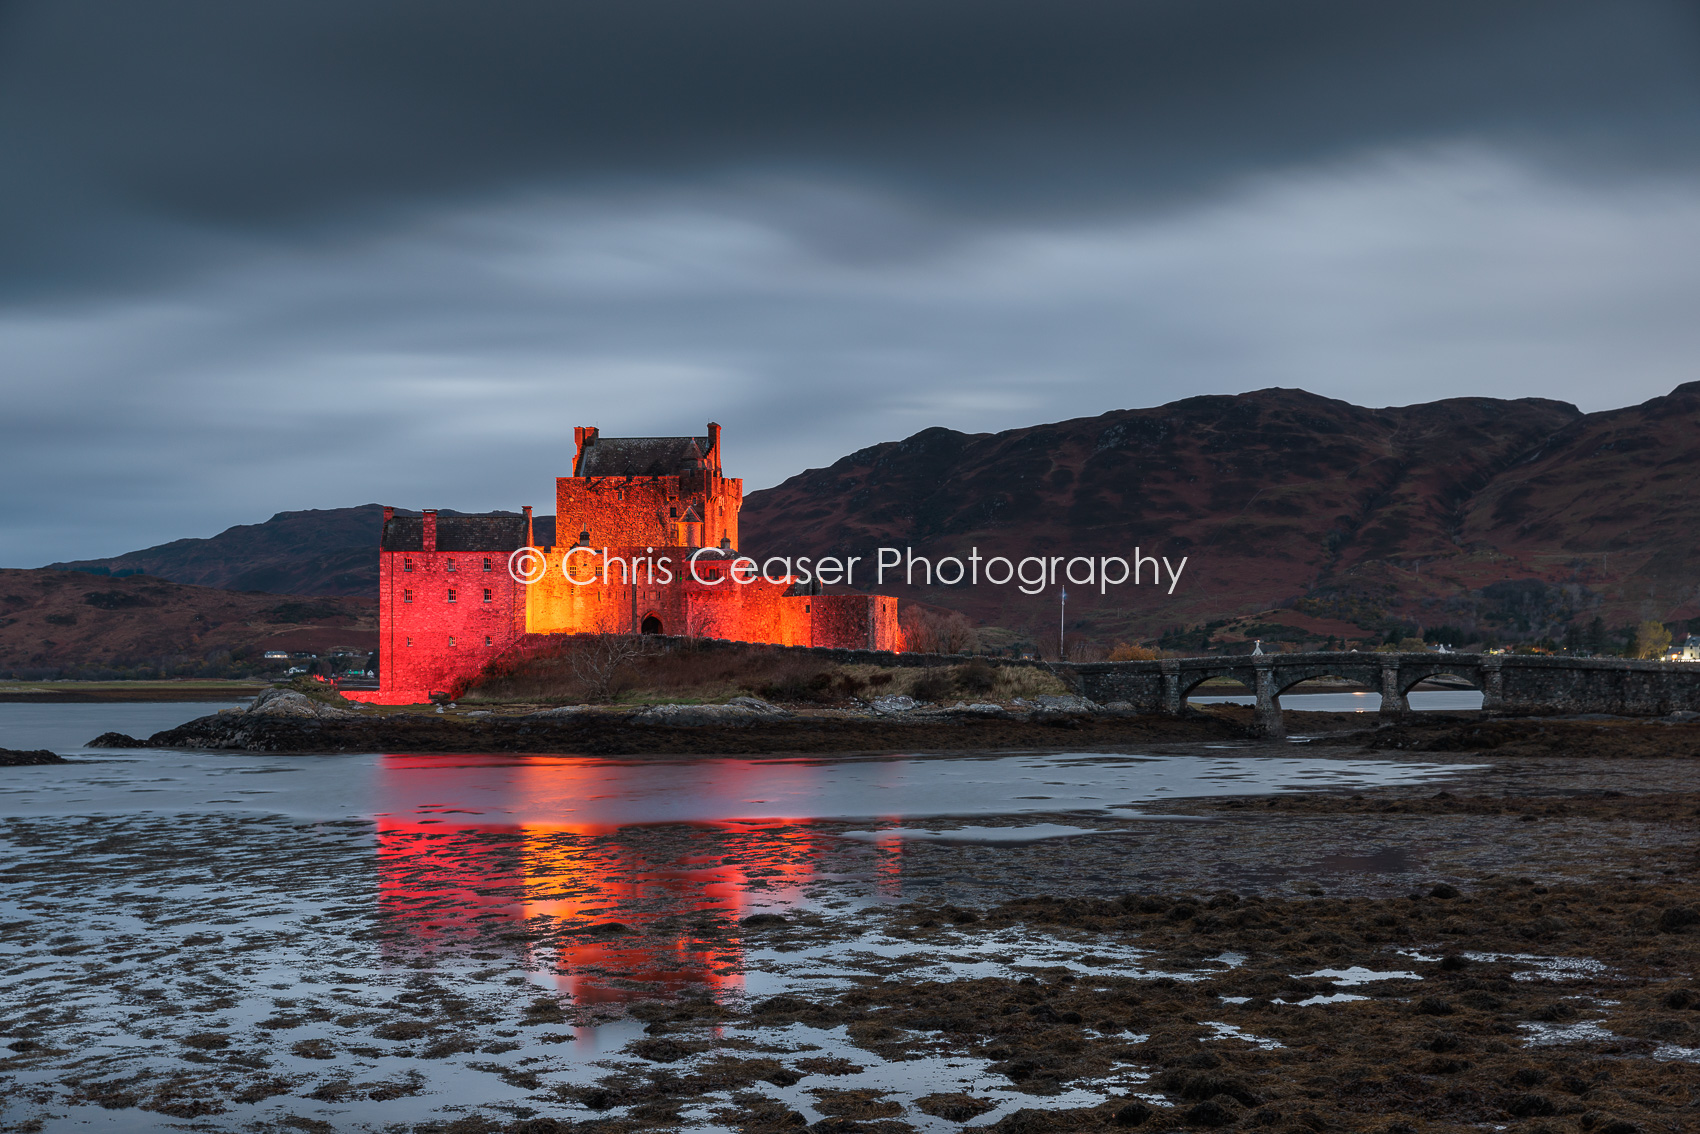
column 1509, row 683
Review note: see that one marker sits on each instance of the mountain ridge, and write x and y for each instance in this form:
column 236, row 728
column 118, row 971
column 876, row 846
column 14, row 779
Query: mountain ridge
column 1280, row 499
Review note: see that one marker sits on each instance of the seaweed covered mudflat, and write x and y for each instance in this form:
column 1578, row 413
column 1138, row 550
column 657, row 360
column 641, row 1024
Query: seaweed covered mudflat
column 1509, row 945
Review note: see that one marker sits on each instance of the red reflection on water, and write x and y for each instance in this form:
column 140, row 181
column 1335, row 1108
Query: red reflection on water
column 542, row 888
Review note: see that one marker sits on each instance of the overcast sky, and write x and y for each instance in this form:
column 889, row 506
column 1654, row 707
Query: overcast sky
column 271, row 255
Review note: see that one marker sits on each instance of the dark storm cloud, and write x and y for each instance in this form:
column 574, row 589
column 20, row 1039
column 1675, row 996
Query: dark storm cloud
column 138, row 136
column 261, row 255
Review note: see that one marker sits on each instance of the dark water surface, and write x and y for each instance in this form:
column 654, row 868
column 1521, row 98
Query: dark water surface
column 65, row 728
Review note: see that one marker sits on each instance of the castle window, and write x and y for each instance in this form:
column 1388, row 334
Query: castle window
column 486, row 563
column 619, row 494
column 451, row 594
column 451, row 641
column 487, row 641
column 407, row 595
column 407, row 564
column 486, row 594
column 675, row 512
column 450, row 566
column 410, row 641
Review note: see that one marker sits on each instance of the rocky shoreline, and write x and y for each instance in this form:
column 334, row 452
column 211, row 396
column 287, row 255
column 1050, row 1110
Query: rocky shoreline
column 284, row 721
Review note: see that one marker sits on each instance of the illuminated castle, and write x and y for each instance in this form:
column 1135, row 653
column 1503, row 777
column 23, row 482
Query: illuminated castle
column 647, row 542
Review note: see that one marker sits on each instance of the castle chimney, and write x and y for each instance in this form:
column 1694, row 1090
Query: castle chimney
column 583, row 437
column 529, row 540
column 430, row 530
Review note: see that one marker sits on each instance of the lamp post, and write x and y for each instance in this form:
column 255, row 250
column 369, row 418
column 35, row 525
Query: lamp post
column 1062, row 621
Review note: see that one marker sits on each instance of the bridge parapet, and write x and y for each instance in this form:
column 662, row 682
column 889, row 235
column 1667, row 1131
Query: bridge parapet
column 1509, row 683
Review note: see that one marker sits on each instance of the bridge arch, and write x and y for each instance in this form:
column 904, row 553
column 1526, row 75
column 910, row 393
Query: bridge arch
column 1364, row 674
column 1412, row 674
column 1190, row 681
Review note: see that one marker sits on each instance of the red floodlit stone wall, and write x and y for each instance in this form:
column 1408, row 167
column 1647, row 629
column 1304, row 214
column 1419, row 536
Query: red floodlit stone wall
column 429, row 644
column 760, row 611
column 648, row 511
column 615, row 604
column 854, row 622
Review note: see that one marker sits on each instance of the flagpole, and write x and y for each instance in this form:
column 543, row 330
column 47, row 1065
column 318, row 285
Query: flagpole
column 1062, row 617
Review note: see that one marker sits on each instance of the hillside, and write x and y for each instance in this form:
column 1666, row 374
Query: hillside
column 52, row 621
column 1511, row 517
column 326, row 551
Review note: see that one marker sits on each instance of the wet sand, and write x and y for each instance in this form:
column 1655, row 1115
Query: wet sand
column 1513, row 947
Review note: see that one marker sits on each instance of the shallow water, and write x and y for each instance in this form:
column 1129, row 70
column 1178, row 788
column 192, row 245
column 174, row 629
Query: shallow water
column 589, row 793
column 292, row 906
column 1425, row 700
column 65, row 728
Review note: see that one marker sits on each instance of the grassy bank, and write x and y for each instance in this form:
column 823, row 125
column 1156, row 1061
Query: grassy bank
column 587, row 669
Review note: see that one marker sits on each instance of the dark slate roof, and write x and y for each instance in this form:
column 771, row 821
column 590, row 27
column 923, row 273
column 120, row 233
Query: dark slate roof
column 640, row 456
column 493, row 531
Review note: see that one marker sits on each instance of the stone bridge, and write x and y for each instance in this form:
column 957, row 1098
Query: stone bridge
column 1509, row 683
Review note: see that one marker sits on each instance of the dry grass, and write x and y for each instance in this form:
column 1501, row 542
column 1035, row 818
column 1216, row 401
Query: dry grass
column 675, row 673
column 1007, row 682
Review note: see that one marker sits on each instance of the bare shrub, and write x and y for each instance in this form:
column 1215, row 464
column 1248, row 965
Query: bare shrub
column 934, row 685
column 602, row 663
column 976, row 677
column 934, row 632
column 576, row 668
column 800, row 685
column 1121, row 651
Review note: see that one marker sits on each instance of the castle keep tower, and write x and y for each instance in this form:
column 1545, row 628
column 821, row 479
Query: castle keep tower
column 647, row 492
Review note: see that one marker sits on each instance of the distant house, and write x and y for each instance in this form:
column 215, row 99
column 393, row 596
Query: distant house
column 277, row 655
column 1688, row 650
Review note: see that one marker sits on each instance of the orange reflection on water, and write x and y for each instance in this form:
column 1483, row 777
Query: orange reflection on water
column 551, row 890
